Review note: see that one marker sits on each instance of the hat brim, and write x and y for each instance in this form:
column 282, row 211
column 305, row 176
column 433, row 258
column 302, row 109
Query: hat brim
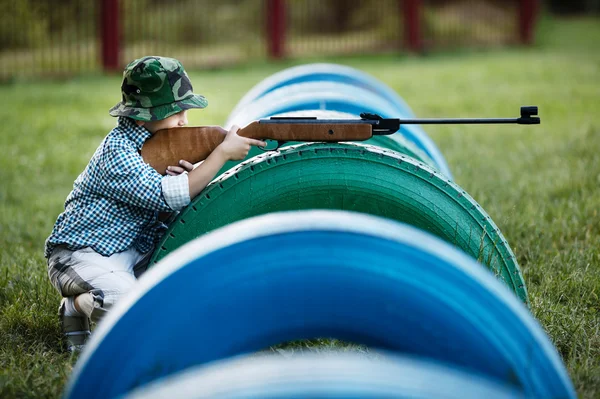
column 159, row 112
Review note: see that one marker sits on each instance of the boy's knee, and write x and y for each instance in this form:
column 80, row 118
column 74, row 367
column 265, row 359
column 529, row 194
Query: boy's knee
column 117, row 289
column 91, row 304
column 125, row 284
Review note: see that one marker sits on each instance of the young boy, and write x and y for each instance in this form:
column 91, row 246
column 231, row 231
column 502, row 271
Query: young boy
column 110, row 224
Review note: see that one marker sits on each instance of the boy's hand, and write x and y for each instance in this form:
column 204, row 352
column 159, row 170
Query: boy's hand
column 184, row 166
column 235, row 147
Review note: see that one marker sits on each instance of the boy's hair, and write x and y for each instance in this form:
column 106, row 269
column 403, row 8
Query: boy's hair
column 155, row 88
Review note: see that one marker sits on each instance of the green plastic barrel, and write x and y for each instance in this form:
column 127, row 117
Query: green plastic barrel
column 353, row 177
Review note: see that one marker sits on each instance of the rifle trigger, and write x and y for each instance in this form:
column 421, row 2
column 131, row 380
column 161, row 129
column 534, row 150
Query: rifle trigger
column 266, row 149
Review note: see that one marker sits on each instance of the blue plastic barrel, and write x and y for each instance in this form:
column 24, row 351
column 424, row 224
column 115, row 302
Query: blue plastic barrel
column 323, row 72
column 332, row 375
column 306, row 274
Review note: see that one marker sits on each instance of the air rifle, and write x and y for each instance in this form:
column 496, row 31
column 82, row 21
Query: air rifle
column 166, row 147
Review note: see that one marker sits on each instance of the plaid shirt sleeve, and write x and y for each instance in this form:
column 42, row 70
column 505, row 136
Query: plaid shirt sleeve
column 176, row 191
column 124, row 176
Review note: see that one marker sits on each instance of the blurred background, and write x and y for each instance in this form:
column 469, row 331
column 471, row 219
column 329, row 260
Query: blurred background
column 60, row 72
column 68, row 37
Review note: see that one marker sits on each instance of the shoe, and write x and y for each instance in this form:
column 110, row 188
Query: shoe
column 76, row 329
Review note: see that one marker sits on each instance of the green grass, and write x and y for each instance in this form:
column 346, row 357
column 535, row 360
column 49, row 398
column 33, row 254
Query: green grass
column 541, row 184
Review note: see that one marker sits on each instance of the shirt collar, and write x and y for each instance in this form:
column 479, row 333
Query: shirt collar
column 137, row 134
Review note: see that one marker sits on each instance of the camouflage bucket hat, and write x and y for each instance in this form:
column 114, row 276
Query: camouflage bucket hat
column 155, row 88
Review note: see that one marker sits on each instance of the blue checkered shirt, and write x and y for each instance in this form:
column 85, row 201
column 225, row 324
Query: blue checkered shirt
column 115, row 202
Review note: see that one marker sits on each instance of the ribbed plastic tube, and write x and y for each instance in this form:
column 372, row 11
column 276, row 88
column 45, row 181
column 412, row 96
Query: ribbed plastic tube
column 300, row 275
column 333, row 375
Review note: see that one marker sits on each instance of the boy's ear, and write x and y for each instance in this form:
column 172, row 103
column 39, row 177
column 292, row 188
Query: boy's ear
column 139, row 123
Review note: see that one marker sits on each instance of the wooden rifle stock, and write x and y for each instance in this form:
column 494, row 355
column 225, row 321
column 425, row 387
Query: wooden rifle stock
column 194, row 144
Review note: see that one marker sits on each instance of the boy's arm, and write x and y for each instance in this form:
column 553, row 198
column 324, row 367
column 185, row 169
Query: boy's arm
column 199, row 178
column 121, row 174
column 124, row 176
column 234, row 147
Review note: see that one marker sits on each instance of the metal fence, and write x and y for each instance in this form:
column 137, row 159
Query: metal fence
column 317, row 27
column 472, row 23
column 68, row 37
column 45, row 37
column 199, row 33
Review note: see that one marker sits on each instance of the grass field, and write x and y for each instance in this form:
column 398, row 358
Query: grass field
column 541, row 184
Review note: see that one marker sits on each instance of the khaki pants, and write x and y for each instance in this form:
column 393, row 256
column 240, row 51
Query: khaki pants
column 76, row 272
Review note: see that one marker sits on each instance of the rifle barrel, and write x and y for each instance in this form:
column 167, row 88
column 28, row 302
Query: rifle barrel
column 315, row 121
column 428, row 121
column 391, row 125
column 462, row 121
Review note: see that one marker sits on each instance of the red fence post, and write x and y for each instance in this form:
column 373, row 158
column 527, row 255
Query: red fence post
column 109, row 34
column 275, row 20
column 527, row 16
column 411, row 11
